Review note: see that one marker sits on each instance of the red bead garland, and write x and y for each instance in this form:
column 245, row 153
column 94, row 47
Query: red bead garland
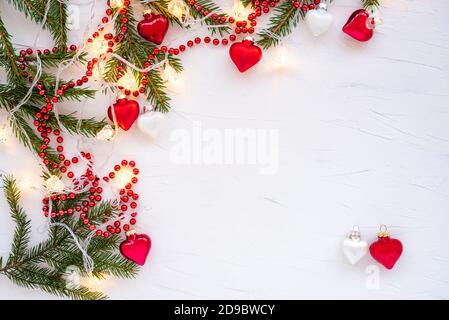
column 89, row 180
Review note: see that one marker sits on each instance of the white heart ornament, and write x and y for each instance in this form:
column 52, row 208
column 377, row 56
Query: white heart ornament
column 151, row 123
column 318, row 21
column 354, row 249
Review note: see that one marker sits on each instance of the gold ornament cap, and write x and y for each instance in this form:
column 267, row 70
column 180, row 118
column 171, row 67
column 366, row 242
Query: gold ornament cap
column 130, row 232
column 383, row 231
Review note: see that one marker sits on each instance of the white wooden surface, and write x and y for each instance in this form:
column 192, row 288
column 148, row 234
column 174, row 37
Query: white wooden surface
column 363, row 139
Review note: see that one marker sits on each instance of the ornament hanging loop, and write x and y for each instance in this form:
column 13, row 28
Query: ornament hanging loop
column 383, row 231
column 355, row 233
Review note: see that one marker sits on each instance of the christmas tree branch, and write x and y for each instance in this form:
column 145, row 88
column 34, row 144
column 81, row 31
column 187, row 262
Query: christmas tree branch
column 247, row 2
column 285, row 18
column 211, row 7
column 370, row 3
column 161, row 6
column 21, row 233
column 43, row 266
column 9, row 58
column 55, row 20
column 136, row 50
column 25, row 134
column 58, row 9
column 54, row 59
column 10, row 96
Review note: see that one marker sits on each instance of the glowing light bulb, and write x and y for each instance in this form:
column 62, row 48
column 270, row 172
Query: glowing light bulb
column 72, row 277
column 239, row 11
column 170, row 74
column 54, row 184
column 123, row 177
column 116, row 4
column 106, row 134
column 25, row 183
column 98, row 46
column 94, row 283
column 128, row 81
column 177, row 8
column 97, row 71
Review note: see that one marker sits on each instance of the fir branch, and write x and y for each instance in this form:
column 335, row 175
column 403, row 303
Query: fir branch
column 43, row 266
column 10, row 95
column 87, row 127
column 23, row 227
column 55, row 59
column 23, row 131
column 285, row 18
column 55, row 20
column 50, row 282
column 9, row 58
column 156, row 89
column 75, row 94
column 136, row 50
column 211, row 6
column 161, row 7
column 58, row 9
column 247, row 2
column 370, row 3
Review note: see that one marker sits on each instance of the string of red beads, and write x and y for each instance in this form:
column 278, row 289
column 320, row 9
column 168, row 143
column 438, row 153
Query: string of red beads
column 88, row 180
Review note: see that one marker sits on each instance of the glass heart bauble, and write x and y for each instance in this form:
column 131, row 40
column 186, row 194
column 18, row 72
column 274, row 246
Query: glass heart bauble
column 125, row 111
column 151, row 123
column 318, row 21
column 136, row 248
column 358, row 26
column 245, row 54
column 354, row 249
column 153, row 28
column 386, row 251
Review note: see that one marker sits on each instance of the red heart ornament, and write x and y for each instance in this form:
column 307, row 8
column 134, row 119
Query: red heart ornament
column 245, row 54
column 358, row 26
column 126, row 112
column 136, row 248
column 386, row 251
column 153, row 28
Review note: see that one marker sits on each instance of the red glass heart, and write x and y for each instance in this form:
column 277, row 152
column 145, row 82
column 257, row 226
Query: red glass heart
column 386, row 251
column 245, row 54
column 126, row 112
column 357, row 26
column 153, row 28
column 136, row 248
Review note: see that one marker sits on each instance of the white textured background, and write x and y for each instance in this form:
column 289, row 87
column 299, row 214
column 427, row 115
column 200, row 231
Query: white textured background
column 364, row 139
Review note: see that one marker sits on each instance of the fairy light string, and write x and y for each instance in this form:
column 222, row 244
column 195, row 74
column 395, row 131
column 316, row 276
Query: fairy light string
column 62, row 183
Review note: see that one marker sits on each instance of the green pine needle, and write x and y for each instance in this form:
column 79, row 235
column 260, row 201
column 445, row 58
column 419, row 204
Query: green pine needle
column 56, row 20
column 370, row 3
column 23, row 227
column 247, row 2
column 136, row 50
column 285, row 18
column 161, row 7
column 211, row 6
column 43, row 265
column 8, row 56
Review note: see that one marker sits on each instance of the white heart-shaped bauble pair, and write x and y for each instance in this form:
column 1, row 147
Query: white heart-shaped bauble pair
column 151, row 123
column 318, row 21
column 354, row 250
